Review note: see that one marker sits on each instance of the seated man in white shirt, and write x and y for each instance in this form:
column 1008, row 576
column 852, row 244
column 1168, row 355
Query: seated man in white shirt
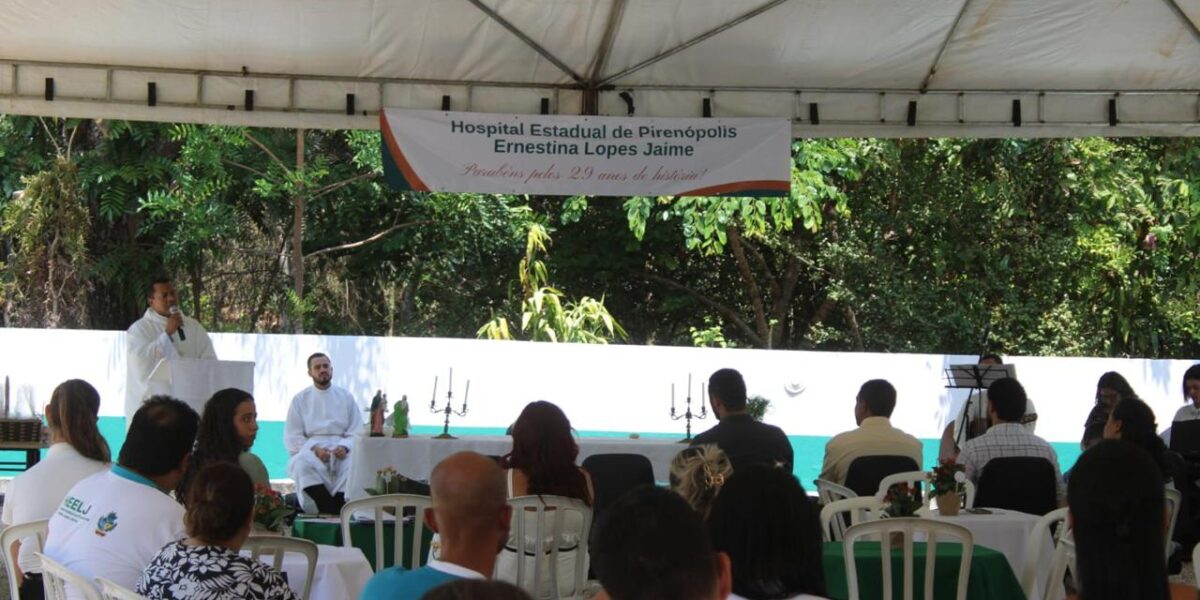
column 319, row 434
column 875, row 435
column 115, row 522
column 1007, row 437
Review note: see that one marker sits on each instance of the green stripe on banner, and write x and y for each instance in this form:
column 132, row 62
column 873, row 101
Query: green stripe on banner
column 391, row 172
column 809, row 449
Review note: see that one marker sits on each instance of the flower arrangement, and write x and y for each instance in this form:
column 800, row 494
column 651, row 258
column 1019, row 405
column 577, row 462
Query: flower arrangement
column 902, row 500
column 947, row 477
column 388, row 481
column 270, row 512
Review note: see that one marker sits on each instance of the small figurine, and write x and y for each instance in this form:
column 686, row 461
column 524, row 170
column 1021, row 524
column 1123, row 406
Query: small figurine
column 400, row 418
column 378, row 410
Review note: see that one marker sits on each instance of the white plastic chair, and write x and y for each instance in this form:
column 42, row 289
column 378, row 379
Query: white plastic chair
column 1196, row 561
column 111, row 590
column 278, row 546
column 830, row 492
column 909, row 477
column 56, row 578
column 861, row 510
column 1174, row 500
column 1063, row 563
column 549, row 515
column 395, row 503
column 12, row 533
column 930, row 530
column 1036, row 555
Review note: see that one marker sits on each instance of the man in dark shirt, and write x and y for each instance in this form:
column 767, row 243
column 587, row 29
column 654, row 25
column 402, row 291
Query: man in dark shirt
column 745, row 441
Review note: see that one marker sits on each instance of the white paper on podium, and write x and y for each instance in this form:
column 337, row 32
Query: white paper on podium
column 195, row 380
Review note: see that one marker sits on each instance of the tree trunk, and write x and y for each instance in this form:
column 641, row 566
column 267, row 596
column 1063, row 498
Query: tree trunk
column 297, row 234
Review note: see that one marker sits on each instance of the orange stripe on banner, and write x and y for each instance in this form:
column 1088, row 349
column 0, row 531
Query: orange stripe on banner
column 417, row 184
column 738, row 186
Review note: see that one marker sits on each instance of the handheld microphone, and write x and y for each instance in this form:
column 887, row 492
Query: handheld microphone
column 175, row 311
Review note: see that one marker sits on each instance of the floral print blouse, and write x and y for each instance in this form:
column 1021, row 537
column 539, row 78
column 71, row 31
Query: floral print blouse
column 183, row 572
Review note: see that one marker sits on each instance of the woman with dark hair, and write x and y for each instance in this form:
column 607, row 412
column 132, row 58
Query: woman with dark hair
column 1133, row 421
column 1117, row 513
column 227, row 431
column 1190, row 411
column 77, row 450
column 476, row 589
column 206, row 564
column 1110, row 389
column 542, row 462
column 769, row 527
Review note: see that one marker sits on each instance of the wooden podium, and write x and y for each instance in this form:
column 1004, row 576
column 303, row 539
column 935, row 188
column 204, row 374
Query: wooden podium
column 195, row 380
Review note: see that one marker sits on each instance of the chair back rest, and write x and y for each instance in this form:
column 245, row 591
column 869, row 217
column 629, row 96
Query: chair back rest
column 859, row 510
column 865, row 472
column 277, row 546
column 549, row 522
column 1174, row 501
column 1062, row 564
column 915, row 478
column 395, row 505
column 1044, row 535
column 829, row 491
column 111, row 590
column 931, row 530
column 26, row 532
column 615, row 474
column 1025, row 483
column 56, row 578
column 1196, row 561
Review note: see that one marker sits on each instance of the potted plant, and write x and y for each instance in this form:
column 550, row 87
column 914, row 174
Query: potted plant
column 756, row 407
column 946, row 485
column 271, row 514
column 902, row 500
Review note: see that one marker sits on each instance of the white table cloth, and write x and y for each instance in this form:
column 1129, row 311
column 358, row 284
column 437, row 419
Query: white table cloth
column 414, row 457
column 1005, row 531
column 341, row 573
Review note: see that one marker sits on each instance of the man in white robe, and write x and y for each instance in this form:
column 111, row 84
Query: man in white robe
column 319, row 434
column 162, row 333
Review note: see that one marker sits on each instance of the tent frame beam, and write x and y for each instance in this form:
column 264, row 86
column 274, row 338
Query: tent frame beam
column 615, row 17
column 1183, row 16
column 937, row 59
column 505, row 23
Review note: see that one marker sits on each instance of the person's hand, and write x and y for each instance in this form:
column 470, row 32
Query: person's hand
column 321, row 453
column 340, row 452
column 174, row 322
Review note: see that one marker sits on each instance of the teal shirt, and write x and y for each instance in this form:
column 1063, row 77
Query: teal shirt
column 397, row 583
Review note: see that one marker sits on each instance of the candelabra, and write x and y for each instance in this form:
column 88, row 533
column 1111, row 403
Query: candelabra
column 449, row 408
column 687, row 414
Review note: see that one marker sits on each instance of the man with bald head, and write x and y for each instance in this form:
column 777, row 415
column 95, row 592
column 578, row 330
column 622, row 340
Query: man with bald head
column 471, row 515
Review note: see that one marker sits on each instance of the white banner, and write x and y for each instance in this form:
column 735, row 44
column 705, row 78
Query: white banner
column 595, row 156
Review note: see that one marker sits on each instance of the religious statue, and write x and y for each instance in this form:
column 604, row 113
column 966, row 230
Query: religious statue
column 400, row 418
column 378, row 411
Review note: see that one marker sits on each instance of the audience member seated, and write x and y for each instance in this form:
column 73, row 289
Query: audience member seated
column 745, row 441
column 542, row 462
column 1117, row 513
column 206, row 564
column 471, row 517
column 1133, row 421
column 476, row 589
column 767, row 525
column 77, row 450
column 1110, row 389
column 115, row 522
column 1190, row 411
column 319, row 433
column 875, row 435
column 697, row 474
column 1007, row 437
column 227, row 431
column 976, row 422
column 652, row 546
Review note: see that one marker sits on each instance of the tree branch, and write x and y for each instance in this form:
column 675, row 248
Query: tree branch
column 727, row 312
column 756, row 302
column 366, row 241
column 340, row 184
column 240, row 165
column 752, row 250
column 264, row 148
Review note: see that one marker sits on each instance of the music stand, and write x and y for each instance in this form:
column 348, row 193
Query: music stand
column 975, row 378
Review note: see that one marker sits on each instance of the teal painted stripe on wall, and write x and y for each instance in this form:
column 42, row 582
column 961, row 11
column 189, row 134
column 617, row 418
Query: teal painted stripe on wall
column 809, row 450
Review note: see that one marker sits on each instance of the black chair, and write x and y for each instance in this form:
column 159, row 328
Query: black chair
column 1025, row 483
column 866, row 472
column 614, row 474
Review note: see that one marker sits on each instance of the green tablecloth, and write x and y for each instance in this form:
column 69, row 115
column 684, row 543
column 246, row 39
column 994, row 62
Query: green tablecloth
column 362, row 536
column 991, row 576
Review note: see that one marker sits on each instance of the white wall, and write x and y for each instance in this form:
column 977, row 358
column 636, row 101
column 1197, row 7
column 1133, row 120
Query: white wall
column 605, row 388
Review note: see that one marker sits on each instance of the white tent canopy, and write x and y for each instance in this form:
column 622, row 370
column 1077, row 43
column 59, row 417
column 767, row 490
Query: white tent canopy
column 897, row 68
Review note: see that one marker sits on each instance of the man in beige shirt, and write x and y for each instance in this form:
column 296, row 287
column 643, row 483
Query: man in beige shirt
column 875, row 435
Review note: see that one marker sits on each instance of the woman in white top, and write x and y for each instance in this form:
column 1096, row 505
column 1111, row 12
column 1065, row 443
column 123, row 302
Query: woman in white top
column 1191, row 395
column 542, row 462
column 77, row 450
column 768, row 526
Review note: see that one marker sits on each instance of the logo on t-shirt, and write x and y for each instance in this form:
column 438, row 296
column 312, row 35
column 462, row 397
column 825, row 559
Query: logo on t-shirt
column 74, row 509
column 106, row 524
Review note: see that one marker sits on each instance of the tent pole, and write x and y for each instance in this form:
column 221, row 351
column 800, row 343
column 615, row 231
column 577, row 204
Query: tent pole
column 297, row 231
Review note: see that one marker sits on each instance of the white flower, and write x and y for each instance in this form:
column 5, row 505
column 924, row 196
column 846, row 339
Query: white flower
column 960, row 476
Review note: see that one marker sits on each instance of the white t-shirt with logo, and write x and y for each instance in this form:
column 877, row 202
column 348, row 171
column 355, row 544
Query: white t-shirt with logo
column 113, row 524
